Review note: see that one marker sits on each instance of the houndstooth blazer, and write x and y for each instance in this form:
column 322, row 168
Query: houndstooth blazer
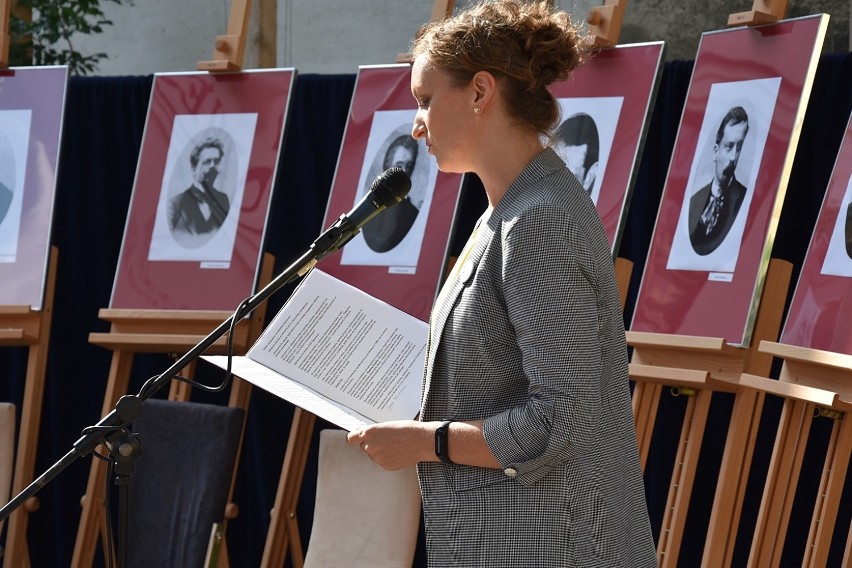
column 530, row 337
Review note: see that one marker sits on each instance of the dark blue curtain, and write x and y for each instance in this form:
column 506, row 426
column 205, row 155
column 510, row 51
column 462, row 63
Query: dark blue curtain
column 104, row 123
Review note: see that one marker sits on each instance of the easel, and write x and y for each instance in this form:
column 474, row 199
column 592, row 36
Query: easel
column 229, row 49
column 283, row 533
column 605, row 22
column 24, row 326
column 762, row 12
column 813, row 383
column 156, row 331
column 696, row 367
column 167, row 331
column 604, row 31
column 440, row 9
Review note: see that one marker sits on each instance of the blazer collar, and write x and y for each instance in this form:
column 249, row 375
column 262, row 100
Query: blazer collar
column 460, row 277
column 545, row 163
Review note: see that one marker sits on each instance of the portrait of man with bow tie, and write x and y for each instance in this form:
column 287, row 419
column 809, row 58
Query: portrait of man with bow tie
column 201, row 208
column 713, row 208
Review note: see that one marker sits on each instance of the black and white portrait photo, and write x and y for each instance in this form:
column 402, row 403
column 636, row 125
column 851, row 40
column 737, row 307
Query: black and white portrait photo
column 206, row 167
column 14, row 144
column 387, row 230
column 838, row 256
column 394, row 237
column 201, row 208
column 578, row 144
column 584, row 137
column 722, row 176
column 714, row 208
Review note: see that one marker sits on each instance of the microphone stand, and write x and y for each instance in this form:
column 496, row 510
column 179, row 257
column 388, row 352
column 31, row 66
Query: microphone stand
column 111, row 427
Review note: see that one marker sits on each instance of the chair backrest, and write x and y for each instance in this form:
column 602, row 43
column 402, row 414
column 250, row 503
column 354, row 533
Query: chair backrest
column 364, row 516
column 181, row 482
column 7, row 451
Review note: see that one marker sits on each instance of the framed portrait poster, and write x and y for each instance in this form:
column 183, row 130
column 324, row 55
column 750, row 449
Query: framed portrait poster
column 605, row 111
column 819, row 314
column 400, row 255
column 726, row 181
column 194, row 232
column 32, row 102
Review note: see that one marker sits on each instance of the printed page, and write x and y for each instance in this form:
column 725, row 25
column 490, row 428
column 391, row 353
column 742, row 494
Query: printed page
column 347, row 346
column 292, row 391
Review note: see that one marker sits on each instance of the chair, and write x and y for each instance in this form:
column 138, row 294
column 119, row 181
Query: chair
column 182, row 479
column 364, row 516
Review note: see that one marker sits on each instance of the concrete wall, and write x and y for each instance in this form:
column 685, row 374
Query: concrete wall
column 336, row 36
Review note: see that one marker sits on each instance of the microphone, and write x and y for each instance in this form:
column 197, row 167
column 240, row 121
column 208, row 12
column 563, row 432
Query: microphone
column 387, row 190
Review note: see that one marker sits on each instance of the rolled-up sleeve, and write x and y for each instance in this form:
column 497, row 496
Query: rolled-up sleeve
column 550, row 294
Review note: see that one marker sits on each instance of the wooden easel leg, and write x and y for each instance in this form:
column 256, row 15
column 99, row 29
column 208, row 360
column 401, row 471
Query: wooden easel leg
column 239, row 398
column 828, row 496
column 733, row 479
column 623, row 271
column 284, row 527
column 223, row 558
column 781, row 481
column 646, row 400
column 16, row 553
column 179, row 390
column 683, row 477
column 744, row 424
column 92, row 517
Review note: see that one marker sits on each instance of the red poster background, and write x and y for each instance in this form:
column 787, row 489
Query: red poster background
column 144, row 284
column 631, row 72
column 821, row 309
column 382, row 88
column 42, row 91
column 686, row 302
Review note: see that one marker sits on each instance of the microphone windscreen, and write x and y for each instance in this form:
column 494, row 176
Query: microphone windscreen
column 390, row 187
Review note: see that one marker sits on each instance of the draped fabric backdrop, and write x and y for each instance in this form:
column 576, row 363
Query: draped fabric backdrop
column 104, row 123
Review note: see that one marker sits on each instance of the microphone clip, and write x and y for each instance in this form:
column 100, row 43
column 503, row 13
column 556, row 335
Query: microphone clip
column 335, row 237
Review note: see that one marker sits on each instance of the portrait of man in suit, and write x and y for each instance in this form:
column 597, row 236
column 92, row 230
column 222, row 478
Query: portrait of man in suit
column 388, row 228
column 713, row 208
column 201, row 208
column 578, row 144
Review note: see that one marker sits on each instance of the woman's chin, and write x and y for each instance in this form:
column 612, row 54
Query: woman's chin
column 448, row 168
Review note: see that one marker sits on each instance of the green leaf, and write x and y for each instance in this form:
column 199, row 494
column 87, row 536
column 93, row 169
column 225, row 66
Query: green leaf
column 46, row 40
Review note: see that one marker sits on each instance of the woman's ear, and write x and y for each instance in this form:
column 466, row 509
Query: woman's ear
column 484, row 87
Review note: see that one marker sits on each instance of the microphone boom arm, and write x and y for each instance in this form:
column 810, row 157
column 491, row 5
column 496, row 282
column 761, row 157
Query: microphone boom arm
column 387, row 190
column 129, row 406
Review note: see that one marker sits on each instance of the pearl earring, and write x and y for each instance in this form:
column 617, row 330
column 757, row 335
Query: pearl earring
column 476, row 109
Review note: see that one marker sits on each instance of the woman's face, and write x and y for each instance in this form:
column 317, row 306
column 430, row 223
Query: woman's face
column 444, row 115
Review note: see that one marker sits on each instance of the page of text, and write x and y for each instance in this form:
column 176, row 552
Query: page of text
column 348, row 346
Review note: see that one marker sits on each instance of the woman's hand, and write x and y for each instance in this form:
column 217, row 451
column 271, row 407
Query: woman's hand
column 397, row 444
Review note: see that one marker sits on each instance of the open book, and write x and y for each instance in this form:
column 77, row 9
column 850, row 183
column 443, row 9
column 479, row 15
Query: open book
column 340, row 354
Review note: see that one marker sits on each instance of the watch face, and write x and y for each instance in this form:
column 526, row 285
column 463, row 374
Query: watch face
column 441, row 446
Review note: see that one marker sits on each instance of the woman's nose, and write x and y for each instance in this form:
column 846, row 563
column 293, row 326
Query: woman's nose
column 418, row 130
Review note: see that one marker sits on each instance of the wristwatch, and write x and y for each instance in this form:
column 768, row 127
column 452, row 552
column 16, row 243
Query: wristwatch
column 442, row 447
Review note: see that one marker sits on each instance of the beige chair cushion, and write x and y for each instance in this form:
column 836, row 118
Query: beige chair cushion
column 364, row 516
